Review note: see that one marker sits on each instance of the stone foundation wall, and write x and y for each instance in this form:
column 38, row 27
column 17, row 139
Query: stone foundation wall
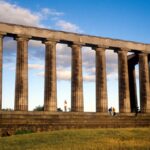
column 10, row 122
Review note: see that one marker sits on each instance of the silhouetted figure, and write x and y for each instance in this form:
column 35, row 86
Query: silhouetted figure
column 136, row 111
column 65, row 105
column 113, row 111
column 59, row 109
column 110, row 110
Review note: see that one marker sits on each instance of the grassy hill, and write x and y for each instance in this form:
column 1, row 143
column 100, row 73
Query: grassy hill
column 84, row 139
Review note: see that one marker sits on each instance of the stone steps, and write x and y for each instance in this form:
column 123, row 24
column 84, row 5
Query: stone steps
column 45, row 121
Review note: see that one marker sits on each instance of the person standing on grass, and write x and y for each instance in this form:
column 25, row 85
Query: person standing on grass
column 65, row 106
column 113, row 111
column 110, row 110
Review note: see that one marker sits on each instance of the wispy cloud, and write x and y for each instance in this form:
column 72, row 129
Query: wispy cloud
column 36, row 66
column 12, row 13
column 68, row 26
column 51, row 12
column 65, row 75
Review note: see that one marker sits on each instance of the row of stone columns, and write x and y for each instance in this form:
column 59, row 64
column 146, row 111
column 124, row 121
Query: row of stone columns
column 50, row 92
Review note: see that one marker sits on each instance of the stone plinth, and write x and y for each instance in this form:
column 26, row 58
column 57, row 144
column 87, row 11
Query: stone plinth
column 124, row 97
column 21, row 88
column 144, row 83
column 50, row 94
column 10, row 122
column 101, row 85
column 76, row 79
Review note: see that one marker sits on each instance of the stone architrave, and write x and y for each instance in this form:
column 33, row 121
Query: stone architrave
column 101, row 85
column 76, row 79
column 21, row 87
column 144, row 83
column 124, row 96
column 50, row 91
column 1, row 64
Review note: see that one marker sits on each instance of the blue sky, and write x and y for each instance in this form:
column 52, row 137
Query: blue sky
column 119, row 19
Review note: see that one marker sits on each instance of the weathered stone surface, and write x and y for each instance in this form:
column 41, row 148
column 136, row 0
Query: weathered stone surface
column 101, row 85
column 126, row 71
column 50, row 94
column 132, row 87
column 76, row 79
column 1, row 64
column 144, row 83
column 21, row 88
column 10, row 122
column 124, row 97
column 65, row 37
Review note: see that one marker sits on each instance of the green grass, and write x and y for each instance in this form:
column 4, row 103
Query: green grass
column 23, row 132
column 83, row 139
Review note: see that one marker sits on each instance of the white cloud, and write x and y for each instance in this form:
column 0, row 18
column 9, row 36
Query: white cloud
column 51, row 12
column 89, row 78
column 36, row 44
column 67, row 26
column 63, row 74
column 36, row 66
column 12, row 13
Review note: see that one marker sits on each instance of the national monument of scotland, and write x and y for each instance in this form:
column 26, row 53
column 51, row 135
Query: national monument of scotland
column 50, row 119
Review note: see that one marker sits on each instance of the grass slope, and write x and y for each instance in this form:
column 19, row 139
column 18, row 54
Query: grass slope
column 83, row 139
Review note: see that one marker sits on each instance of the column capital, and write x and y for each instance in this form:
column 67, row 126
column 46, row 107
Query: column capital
column 143, row 54
column 50, row 41
column 76, row 44
column 100, row 47
column 2, row 34
column 21, row 37
column 123, row 49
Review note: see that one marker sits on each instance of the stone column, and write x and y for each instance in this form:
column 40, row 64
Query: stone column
column 21, row 88
column 76, row 79
column 149, row 66
column 1, row 64
column 124, row 97
column 50, row 94
column 101, row 85
column 144, row 83
column 132, row 87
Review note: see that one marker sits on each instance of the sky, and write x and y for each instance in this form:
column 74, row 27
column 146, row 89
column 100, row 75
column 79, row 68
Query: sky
column 118, row 19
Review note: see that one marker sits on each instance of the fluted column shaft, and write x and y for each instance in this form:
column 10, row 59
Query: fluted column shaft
column 76, row 79
column 124, row 97
column 144, row 83
column 50, row 94
column 1, row 64
column 101, row 85
column 132, row 85
column 21, row 87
